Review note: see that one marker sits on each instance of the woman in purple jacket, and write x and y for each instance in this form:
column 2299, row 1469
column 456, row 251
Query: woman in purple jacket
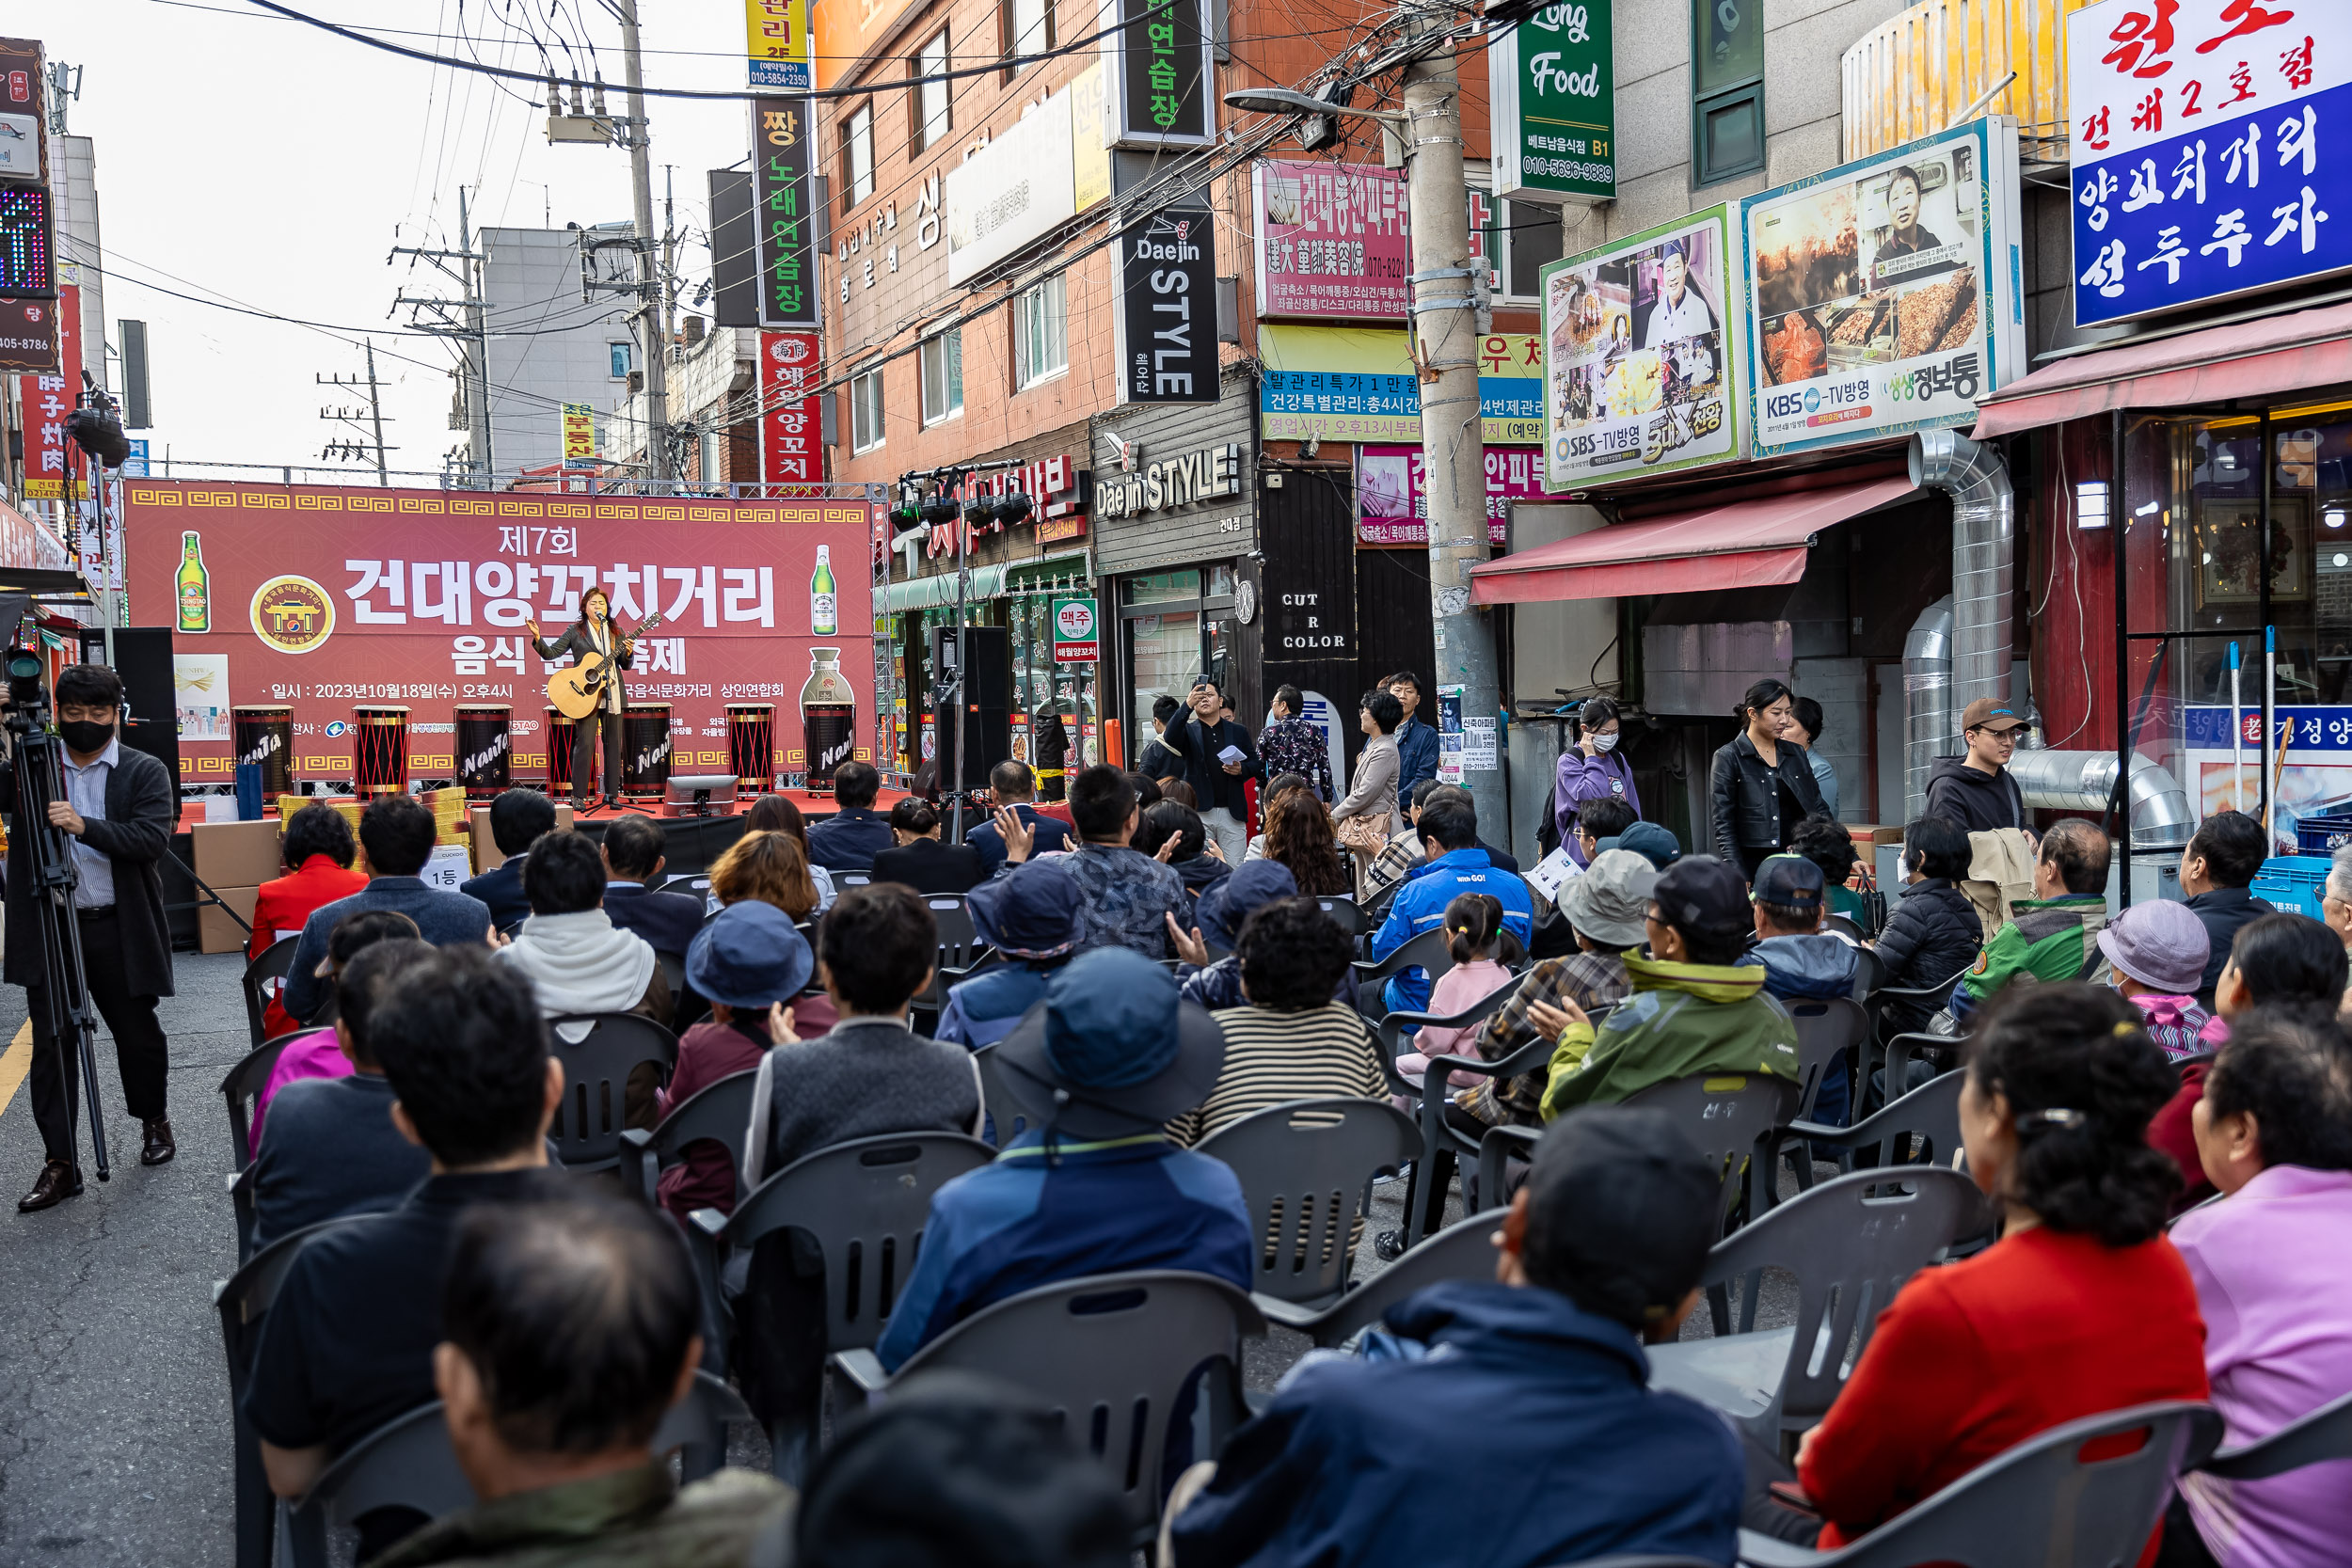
column 1592, row 768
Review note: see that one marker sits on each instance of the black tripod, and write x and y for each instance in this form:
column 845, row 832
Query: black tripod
column 41, row 852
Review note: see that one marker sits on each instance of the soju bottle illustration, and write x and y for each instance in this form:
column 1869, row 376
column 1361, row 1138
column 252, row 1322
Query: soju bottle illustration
column 824, row 615
column 195, row 586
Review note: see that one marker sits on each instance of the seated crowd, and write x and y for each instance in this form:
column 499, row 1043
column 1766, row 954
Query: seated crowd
column 1141, row 994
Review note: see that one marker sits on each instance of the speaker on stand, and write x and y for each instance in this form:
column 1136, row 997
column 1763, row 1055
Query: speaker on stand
column 979, row 734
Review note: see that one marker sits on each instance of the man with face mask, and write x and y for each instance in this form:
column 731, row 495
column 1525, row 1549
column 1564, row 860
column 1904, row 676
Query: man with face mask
column 118, row 814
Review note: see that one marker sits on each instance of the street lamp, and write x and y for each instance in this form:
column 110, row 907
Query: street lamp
column 1283, row 101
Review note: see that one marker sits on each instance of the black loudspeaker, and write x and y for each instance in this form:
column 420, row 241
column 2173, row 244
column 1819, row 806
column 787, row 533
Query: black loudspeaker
column 984, row 738
column 143, row 660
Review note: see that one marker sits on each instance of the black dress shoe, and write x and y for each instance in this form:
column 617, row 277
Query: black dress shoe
column 156, row 1147
column 59, row 1182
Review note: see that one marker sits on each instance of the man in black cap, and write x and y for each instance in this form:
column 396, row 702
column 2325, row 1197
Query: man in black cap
column 1602, row 1250
column 1100, row 1067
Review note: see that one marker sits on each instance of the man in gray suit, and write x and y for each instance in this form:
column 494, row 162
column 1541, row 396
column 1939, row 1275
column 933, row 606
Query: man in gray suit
column 117, row 811
column 397, row 832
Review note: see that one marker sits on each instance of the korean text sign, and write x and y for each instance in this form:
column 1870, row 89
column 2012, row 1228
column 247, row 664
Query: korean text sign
column 791, row 445
column 1553, row 86
column 47, row 401
column 1333, row 242
column 1642, row 372
column 1357, row 384
column 328, row 596
column 776, row 42
column 1392, row 506
column 782, row 210
column 1883, row 294
column 2203, row 133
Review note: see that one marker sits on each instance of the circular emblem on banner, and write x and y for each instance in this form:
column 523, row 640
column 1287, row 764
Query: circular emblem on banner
column 1245, row 601
column 291, row 614
column 1074, row 620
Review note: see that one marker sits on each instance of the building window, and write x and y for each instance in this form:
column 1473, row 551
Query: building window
column 931, row 106
column 1040, row 332
column 710, row 475
column 1028, row 27
column 942, row 376
column 857, row 157
column 1530, row 241
column 866, row 410
column 1726, row 90
column 624, row 360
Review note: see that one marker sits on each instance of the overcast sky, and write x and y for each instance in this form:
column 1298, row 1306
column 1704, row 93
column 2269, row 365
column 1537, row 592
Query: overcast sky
column 246, row 158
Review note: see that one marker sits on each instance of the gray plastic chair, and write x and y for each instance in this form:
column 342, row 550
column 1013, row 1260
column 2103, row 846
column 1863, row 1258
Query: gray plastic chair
column 844, row 880
column 275, row 959
column 2041, row 1503
column 1006, row 1120
column 1113, row 1355
column 241, row 1301
column 1729, row 1118
column 242, row 1089
column 587, row 1130
column 409, row 1462
column 1850, row 1243
column 1442, row 1146
column 1464, row 1250
column 720, row 1111
column 1343, row 910
column 1825, row 1031
column 959, row 949
column 1306, row 1171
column 1431, row 951
column 1921, row 1128
column 2324, row 1435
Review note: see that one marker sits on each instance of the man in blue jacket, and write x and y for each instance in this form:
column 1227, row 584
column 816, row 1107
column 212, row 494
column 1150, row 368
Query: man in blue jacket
column 1602, row 1251
column 1456, row 864
column 1015, row 790
column 397, row 832
column 1416, row 742
column 1801, row 962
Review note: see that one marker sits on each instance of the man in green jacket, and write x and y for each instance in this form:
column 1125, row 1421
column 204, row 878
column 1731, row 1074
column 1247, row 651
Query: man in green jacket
column 2055, row 934
column 1692, row 1011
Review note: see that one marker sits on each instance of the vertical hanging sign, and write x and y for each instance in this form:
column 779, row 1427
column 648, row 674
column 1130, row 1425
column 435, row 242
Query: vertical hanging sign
column 1163, row 68
column 1554, row 96
column 775, row 39
column 1168, row 308
column 783, row 131
column 790, row 422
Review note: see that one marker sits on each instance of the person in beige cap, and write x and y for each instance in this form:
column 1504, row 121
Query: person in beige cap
column 1975, row 790
column 1606, row 908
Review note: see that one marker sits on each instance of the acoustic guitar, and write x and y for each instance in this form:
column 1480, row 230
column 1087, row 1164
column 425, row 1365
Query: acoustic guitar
column 578, row 689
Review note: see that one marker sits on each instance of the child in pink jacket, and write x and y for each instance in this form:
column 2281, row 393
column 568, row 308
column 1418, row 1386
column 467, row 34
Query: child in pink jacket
column 1483, row 951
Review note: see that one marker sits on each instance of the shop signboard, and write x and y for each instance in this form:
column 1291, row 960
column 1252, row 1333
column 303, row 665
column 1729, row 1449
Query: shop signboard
column 1013, row 192
column 1883, row 296
column 1166, row 320
column 1643, row 371
column 2203, row 137
column 791, row 425
column 1392, row 506
column 1333, row 243
column 46, row 401
column 1075, row 638
column 776, row 42
column 1357, row 384
column 1162, row 69
column 784, row 210
column 579, row 435
column 1552, row 84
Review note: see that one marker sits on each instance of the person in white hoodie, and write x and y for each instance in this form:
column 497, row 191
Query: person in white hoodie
column 577, row 961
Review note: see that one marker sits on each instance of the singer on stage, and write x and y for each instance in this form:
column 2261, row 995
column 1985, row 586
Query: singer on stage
column 593, row 634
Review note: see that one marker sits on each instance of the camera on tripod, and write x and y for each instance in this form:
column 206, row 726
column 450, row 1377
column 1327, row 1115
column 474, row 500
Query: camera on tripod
column 28, row 694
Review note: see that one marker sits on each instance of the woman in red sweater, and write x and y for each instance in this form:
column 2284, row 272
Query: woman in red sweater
column 2082, row 1305
column 318, row 850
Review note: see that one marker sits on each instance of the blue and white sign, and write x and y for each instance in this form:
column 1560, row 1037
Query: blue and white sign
column 2212, row 150
column 779, row 75
column 135, row 465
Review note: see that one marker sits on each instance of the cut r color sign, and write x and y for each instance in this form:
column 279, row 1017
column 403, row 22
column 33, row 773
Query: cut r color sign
column 1074, row 640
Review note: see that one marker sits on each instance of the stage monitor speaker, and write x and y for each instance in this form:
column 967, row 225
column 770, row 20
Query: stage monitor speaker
column 143, row 660
column 984, row 738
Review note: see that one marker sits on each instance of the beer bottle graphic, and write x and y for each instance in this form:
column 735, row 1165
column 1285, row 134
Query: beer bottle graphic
column 195, row 590
column 824, row 616
column 828, row 718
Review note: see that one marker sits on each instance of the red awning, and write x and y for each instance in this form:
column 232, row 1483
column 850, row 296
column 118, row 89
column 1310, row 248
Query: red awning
column 1750, row 543
column 2244, row 360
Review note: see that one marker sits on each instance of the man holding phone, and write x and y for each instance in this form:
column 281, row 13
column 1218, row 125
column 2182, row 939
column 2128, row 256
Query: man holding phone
column 1216, row 755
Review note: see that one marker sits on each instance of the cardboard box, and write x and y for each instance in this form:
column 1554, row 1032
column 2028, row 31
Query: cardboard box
column 486, row 855
column 235, row 854
column 215, row 931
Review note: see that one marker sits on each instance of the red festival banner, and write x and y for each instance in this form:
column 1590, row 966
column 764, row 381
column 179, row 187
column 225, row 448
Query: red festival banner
column 324, row 598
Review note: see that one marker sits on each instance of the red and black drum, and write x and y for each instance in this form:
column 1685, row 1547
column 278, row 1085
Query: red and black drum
column 559, row 751
column 263, row 733
column 644, row 751
column 751, row 745
column 380, row 736
column 486, row 760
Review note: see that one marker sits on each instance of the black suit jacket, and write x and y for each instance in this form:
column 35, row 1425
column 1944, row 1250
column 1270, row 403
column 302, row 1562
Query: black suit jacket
column 927, row 865
column 141, row 809
column 667, row 921
column 1049, row 834
column 501, row 887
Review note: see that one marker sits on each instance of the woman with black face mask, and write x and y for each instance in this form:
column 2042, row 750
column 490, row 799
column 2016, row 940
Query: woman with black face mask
column 117, row 813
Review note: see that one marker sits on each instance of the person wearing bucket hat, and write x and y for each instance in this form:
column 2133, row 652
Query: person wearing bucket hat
column 1222, row 912
column 1100, row 1067
column 2158, row 952
column 1030, row 915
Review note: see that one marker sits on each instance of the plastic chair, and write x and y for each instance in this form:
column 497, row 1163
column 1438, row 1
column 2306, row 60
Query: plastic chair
column 1006, row 1120
column 243, row 1089
column 863, row 1204
column 1431, row 950
column 719, row 1111
column 1306, row 1171
column 1729, row 1118
column 1896, row 1057
column 587, row 1130
column 1464, row 1250
column 1442, row 1147
column 241, row 1301
column 409, row 1462
column 1936, row 997
column 672, row 971
column 1113, row 1355
column 844, row 880
column 2323, row 1435
column 959, row 949
column 1850, row 1243
column 2041, row 1502
column 1921, row 1128
column 1825, row 1030
column 1869, row 973
column 275, row 959
column 1343, row 910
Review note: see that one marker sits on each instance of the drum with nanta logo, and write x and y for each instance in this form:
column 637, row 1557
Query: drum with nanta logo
column 559, row 750
column 751, row 745
column 644, row 751
column 380, row 736
column 264, row 734
column 485, row 762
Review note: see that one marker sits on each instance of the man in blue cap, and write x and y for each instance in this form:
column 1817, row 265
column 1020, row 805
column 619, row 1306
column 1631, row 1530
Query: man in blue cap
column 1653, row 843
column 1100, row 1067
column 1030, row 916
column 1801, row 962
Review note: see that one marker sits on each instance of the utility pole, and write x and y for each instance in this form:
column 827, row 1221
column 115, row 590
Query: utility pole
column 649, row 312
column 1449, row 310
column 464, row 319
column 350, row 417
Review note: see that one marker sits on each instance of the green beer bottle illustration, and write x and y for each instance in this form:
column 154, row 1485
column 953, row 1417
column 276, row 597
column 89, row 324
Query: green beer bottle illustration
column 195, row 591
column 824, row 616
